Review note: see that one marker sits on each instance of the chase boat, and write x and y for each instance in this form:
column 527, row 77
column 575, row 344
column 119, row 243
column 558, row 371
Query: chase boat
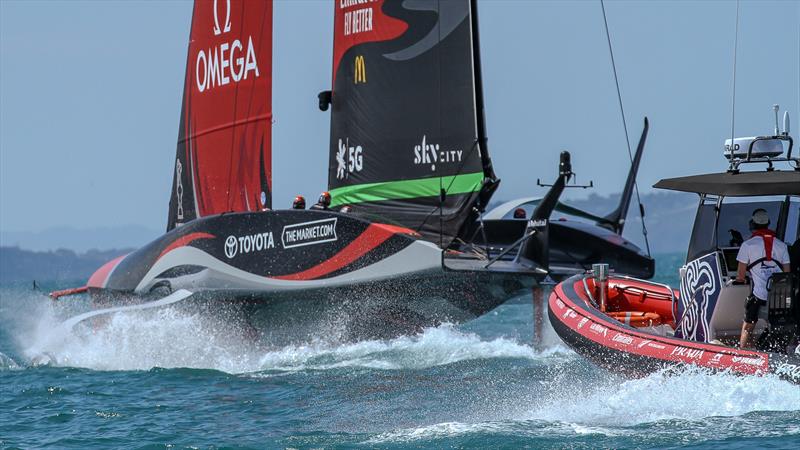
column 635, row 327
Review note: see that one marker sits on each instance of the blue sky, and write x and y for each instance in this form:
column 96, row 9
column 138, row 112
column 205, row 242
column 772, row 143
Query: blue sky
column 90, row 96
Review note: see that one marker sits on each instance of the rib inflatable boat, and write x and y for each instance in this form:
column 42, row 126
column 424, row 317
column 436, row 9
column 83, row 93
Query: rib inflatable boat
column 635, row 327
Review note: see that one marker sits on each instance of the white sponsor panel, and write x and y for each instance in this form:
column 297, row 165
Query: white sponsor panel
column 598, row 329
column 790, row 370
column 656, row 346
column 688, row 353
column 225, row 62
column 427, row 153
column 240, row 245
column 750, row 361
column 359, row 20
column 537, row 223
column 349, row 159
column 309, row 233
column 582, row 322
column 622, row 339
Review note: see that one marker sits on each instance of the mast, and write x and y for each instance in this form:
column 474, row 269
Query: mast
column 488, row 169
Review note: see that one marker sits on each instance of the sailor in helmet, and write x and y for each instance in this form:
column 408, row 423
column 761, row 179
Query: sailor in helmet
column 762, row 255
column 324, row 201
column 299, row 202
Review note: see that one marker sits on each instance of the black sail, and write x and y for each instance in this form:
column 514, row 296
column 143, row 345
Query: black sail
column 407, row 142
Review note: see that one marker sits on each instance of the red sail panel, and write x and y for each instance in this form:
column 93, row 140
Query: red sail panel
column 358, row 22
column 224, row 155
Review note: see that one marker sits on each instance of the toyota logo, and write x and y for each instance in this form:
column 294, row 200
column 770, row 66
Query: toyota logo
column 231, row 246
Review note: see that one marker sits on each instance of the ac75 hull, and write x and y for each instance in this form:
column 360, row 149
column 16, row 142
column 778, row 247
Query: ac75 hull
column 287, row 272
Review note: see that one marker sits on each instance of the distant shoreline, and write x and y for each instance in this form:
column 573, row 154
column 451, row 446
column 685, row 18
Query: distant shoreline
column 19, row 265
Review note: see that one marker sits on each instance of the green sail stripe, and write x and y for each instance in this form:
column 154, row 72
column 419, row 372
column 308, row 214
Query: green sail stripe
column 396, row 190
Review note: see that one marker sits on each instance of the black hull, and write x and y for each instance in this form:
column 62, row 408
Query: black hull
column 363, row 279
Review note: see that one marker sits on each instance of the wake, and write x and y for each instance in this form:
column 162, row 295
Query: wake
column 170, row 337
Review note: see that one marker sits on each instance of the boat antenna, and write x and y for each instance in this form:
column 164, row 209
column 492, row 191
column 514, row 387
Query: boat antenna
column 733, row 88
column 625, row 126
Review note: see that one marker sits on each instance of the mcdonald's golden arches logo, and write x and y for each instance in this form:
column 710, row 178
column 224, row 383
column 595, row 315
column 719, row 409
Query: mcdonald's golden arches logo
column 360, row 75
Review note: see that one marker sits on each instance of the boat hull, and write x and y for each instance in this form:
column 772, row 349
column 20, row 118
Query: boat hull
column 288, row 273
column 635, row 352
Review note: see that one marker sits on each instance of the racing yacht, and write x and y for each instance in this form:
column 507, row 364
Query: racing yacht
column 393, row 251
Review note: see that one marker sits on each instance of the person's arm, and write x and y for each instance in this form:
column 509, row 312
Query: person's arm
column 741, row 272
column 784, row 259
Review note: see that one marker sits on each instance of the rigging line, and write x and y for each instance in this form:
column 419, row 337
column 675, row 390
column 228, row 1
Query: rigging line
column 625, row 126
column 733, row 88
column 441, row 186
column 447, row 189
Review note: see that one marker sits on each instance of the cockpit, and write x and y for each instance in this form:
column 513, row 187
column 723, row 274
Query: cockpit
column 721, row 224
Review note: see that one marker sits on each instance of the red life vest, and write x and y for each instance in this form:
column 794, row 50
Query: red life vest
column 768, row 237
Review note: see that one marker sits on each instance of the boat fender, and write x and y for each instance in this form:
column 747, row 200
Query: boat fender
column 637, row 319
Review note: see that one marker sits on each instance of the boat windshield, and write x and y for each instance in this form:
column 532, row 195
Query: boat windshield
column 732, row 223
column 792, row 233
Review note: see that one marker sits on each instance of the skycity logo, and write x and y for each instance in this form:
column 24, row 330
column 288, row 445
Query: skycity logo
column 247, row 244
column 349, row 159
column 360, row 71
column 432, row 154
column 226, row 62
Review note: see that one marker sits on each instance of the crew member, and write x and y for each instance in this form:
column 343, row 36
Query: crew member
column 324, row 201
column 762, row 255
column 519, row 213
column 299, row 202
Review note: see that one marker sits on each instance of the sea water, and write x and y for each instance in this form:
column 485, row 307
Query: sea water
column 168, row 379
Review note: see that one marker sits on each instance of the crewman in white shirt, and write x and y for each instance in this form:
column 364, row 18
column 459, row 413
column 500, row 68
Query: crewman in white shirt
column 762, row 255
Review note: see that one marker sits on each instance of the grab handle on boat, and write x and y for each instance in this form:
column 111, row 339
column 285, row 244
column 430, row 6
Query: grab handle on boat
column 600, row 272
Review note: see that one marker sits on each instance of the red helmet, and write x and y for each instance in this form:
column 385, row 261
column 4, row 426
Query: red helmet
column 299, row 202
column 325, row 198
column 519, row 213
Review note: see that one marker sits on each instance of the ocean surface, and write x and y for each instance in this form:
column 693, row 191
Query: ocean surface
column 165, row 379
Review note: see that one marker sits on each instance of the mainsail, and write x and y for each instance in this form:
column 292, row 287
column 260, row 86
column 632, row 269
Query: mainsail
column 224, row 154
column 407, row 132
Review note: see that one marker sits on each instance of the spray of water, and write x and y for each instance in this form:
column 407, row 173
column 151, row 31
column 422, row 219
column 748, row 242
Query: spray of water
column 668, row 403
column 171, row 337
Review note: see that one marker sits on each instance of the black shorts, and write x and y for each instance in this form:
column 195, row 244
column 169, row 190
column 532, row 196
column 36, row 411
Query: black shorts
column 751, row 307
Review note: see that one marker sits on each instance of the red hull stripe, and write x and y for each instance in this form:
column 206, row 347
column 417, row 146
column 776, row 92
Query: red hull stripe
column 373, row 236
column 99, row 278
column 597, row 328
column 183, row 241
